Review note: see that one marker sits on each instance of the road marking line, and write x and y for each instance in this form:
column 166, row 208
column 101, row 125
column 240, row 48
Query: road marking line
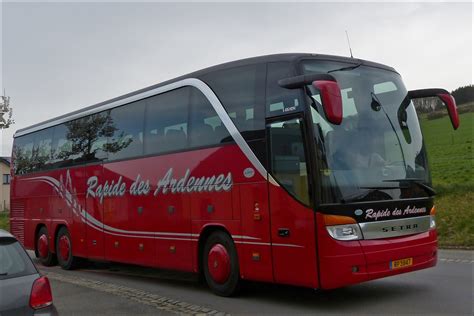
column 450, row 260
column 160, row 302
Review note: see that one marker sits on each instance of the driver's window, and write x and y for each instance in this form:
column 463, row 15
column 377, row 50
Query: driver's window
column 288, row 159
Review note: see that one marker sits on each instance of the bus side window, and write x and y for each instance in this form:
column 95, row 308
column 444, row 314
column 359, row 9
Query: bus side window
column 166, row 122
column 41, row 155
column 61, row 147
column 241, row 92
column 22, row 151
column 126, row 140
column 281, row 100
column 287, row 156
column 206, row 128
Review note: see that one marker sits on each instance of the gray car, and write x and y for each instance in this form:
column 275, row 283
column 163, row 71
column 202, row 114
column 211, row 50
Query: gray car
column 23, row 291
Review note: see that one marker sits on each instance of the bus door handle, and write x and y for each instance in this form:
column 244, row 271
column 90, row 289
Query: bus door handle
column 283, row 232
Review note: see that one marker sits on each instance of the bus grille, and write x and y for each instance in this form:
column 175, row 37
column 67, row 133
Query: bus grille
column 17, row 220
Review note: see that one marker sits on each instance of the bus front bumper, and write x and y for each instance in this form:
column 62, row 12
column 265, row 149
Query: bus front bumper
column 345, row 263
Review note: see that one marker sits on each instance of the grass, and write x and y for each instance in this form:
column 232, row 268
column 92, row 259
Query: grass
column 5, row 220
column 450, row 155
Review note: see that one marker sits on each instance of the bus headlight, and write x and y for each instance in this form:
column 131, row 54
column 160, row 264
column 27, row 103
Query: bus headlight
column 345, row 232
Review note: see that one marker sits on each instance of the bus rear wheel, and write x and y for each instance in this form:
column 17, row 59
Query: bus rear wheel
column 46, row 257
column 221, row 265
column 64, row 250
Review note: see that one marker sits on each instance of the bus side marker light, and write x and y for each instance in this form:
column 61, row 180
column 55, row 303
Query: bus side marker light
column 172, row 249
column 116, row 244
column 210, row 208
column 141, row 247
column 433, row 218
column 256, row 256
column 257, row 216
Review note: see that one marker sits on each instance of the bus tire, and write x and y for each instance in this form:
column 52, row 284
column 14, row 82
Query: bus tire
column 221, row 265
column 46, row 257
column 64, row 250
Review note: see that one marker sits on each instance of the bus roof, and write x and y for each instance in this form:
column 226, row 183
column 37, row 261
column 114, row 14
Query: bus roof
column 290, row 57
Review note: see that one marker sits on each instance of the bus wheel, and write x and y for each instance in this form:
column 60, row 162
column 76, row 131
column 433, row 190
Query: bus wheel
column 221, row 265
column 64, row 250
column 46, row 257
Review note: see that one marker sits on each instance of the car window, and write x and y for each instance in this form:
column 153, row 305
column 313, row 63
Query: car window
column 14, row 262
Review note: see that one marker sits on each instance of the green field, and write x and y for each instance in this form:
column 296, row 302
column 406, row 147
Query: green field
column 450, row 155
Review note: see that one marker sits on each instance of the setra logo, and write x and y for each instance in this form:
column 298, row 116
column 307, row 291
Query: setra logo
column 399, row 228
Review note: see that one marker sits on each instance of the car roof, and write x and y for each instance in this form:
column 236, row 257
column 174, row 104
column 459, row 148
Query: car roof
column 5, row 234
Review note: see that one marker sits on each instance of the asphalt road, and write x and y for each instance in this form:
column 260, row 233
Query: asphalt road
column 97, row 289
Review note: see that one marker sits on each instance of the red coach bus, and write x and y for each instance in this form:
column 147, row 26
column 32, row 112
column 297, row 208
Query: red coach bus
column 300, row 169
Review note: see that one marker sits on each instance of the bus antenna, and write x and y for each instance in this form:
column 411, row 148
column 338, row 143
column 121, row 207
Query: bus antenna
column 349, row 43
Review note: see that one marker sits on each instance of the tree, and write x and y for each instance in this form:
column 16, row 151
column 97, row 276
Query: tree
column 464, row 94
column 5, row 113
column 88, row 137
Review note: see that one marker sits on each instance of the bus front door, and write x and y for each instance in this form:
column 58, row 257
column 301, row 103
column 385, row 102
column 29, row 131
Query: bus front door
column 292, row 219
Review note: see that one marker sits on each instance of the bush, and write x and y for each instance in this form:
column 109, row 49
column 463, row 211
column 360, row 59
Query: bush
column 435, row 115
column 465, row 108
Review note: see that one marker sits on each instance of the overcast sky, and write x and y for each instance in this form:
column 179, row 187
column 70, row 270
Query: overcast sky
column 59, row 57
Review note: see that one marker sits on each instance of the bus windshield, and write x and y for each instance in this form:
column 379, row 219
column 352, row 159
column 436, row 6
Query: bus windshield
column 377, row 153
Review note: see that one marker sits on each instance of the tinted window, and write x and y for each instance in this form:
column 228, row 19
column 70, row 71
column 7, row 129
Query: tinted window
column 206, row 128
column 288, row 159
column 166, row 122
column 101, row 127
column 281, row 100
column 86, row 138
column 240, row 90
column 61, row 147
column 14, row 262
column 127, row 138
column 22, row 151
column 41, row 155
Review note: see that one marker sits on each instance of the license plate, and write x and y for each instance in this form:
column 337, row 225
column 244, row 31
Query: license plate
column 397, row 264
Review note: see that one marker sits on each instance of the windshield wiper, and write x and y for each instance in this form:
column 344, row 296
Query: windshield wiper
column 416, row 181
column 345, row 68
column 361, row 196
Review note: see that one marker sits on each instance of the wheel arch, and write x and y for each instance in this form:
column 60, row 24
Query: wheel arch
column 206, row 231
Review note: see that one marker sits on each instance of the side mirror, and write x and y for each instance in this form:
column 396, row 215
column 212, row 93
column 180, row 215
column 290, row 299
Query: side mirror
column 445, row 96
column 331, row 99
column 330, row 92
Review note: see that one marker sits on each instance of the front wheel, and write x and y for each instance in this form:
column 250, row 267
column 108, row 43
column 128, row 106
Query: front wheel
column 221, row 265
column 64, row 250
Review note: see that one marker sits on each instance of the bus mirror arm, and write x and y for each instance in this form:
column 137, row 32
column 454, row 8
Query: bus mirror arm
column 445, row 96
column 329, row 89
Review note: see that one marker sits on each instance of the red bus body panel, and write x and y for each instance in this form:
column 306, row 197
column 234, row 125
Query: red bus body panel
column 127, row 216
